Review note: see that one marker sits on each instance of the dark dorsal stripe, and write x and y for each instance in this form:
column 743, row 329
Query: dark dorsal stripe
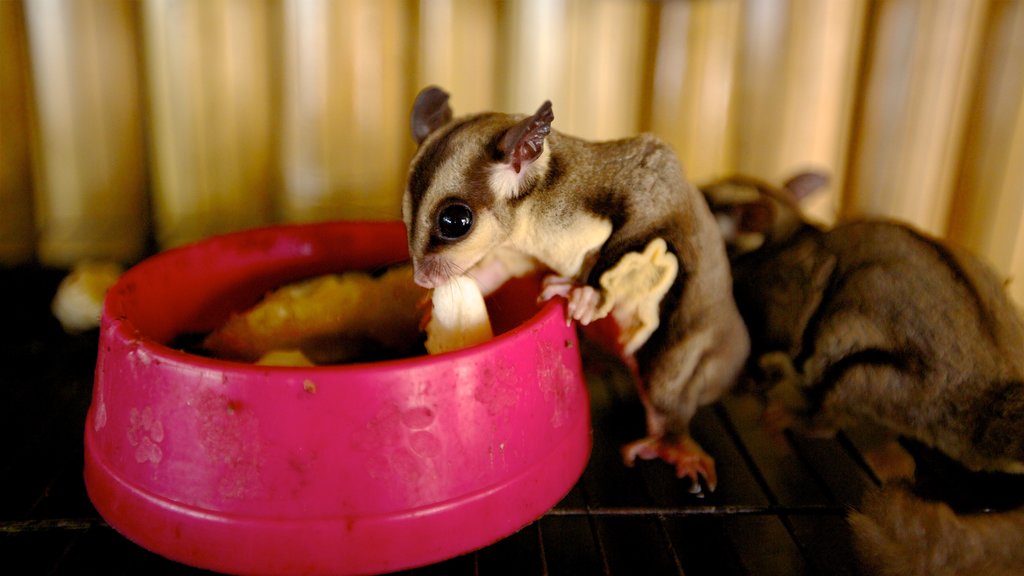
column 423, row 172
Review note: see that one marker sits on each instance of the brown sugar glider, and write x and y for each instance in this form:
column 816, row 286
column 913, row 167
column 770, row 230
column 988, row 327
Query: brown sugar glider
column 873, row 321
column 616, row 227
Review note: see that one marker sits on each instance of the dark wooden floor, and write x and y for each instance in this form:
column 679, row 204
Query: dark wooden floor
column 779, row 509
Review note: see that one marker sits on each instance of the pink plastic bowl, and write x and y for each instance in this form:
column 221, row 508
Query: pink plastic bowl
column 337, row 469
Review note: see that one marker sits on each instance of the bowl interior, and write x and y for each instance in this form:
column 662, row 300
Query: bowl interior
column 168, row 300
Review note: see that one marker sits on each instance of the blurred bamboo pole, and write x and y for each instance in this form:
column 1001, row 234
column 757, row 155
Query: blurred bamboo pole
column 1011, row 228
column 345, row 134
column 693, row 93
column 586, row 56
column 920, row 76
column 17, row 237
column 537, row 60
column 298, row 109
column 211, row 113
column 988, row 210
column 458, row 50
column 90, row 160
column 1013, row 187
column 608, row 53
column 799, row 76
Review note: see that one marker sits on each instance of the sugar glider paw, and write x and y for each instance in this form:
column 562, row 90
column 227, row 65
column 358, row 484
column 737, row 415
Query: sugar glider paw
column 553, row 286
column 584, row 302
column 689, row 459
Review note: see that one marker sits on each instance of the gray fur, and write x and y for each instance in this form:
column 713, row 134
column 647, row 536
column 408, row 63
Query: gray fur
column 886, row 325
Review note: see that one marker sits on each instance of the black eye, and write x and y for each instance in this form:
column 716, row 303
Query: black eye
column 454, row 221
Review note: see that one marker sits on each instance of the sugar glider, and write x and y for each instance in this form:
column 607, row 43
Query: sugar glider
column 873, row 321
column 617, row 229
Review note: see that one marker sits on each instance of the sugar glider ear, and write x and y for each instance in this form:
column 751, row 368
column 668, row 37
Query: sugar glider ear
column 804, row 184
column 429, row 112
column 740, row 205
column 524, row 142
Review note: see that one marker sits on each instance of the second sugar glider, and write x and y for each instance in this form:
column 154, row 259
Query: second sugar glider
column 619, row 231
column 873, row 322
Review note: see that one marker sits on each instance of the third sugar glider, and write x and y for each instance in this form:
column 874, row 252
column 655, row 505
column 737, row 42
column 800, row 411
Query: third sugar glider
column 616, row 227
column 873, row 321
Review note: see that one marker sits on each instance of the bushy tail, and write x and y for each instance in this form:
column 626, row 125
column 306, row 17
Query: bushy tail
column 898, row 533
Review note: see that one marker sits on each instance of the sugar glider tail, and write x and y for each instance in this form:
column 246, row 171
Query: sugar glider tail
column 897, row 532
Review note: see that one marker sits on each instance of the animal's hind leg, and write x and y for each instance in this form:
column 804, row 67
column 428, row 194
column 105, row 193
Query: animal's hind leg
column 670, row 398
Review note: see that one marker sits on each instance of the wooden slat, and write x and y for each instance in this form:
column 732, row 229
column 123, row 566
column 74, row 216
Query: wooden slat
column 459, row 51
column 210, row 106
column 704, row 546
column 826, row 543
column 843, row 478
column 90, row 154
column 693, row 93
column 17, row 242
column 536, row 61
column 790, row 482
column 800, row 62
column 346, row 95
column 988, row 210
column 920, row 77
column 637, row 545
column 765, row 545
column 569, row 546
column 586, row 56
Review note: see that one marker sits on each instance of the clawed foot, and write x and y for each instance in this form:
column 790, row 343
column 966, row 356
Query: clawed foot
column 689, row 459
column 583, row 300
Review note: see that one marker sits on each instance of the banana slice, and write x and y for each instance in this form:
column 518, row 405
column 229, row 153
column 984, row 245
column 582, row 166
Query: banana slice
column 459, row 317
column 332, row 319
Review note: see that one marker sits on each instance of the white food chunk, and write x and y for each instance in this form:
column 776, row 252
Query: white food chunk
column 459, row 317
column 78, row 302
column 635, row 288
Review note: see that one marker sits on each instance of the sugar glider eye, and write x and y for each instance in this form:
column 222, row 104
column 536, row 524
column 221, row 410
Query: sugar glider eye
column 454, row 221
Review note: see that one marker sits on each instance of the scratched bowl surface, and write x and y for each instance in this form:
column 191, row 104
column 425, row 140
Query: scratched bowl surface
column 356, row 468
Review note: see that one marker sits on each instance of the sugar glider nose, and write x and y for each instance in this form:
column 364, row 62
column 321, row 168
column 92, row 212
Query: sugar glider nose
column 429, row 272
column 422, row 280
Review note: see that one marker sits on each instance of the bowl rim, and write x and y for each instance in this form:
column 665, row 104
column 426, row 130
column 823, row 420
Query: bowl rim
column 170, row 355
column 125, row 328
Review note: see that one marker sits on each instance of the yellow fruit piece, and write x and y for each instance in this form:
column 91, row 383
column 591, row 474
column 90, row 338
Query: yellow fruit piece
column 330, row 319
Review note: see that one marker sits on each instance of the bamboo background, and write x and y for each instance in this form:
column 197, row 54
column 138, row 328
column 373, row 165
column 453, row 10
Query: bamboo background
column 128, row 126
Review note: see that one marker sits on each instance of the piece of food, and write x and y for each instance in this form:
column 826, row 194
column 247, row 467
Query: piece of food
column 330, row 319
column 284, row 358
column 78, row 303
column 634, row 290
column 459, row 317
